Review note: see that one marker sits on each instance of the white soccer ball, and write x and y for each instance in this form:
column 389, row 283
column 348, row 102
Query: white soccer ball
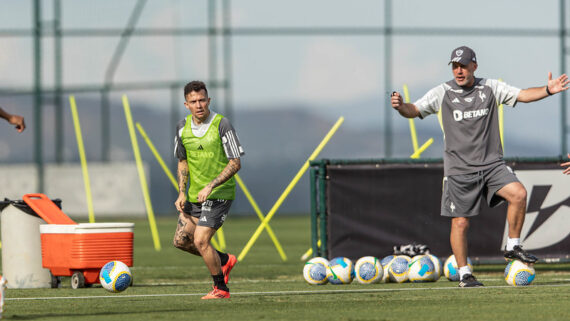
column 450, row 269
column 315, row 271
column 398, row 269
column 115, row 276
column 437, row 264
column 421, row 269
column 368, row 270
column 518, row 273
column 340, row 271
column 385, row 265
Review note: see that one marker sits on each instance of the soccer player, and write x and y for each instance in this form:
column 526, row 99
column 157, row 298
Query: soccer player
column 474, row 168
column 208, row 152
column 16, row 120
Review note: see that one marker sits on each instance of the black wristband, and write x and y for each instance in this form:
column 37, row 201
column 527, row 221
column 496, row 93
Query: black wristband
column 548, row 91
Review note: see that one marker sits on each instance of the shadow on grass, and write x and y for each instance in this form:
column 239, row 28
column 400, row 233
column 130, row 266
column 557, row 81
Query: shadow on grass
column 104, row 315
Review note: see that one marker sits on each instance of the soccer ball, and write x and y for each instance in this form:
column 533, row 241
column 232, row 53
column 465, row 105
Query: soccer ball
column 368, row 270
column 315, row 271
column 115, row 276
column 398, row 269
column 450, row 269
column 517, row 273
column 421, row 269
column 340, row 270
column 437, row 264
column 385, row 265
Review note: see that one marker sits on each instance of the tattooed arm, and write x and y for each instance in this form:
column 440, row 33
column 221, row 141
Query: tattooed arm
column 183, row 175
column 230, row 170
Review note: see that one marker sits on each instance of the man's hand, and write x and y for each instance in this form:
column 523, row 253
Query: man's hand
column 18, row 122
column 396, row 100
column 557, row 85
column 204, row 193
column 180, row 202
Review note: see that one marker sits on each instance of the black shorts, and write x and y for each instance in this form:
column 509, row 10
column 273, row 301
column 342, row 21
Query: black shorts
column 211, row 213
column 462, row 194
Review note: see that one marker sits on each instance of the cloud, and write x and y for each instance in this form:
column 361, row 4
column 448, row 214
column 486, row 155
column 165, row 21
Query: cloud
column 332, row 71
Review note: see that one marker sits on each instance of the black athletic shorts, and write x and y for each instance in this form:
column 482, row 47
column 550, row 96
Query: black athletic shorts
column 211, row 213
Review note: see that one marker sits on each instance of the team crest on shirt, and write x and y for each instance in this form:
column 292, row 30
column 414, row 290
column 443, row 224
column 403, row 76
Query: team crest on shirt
column 482, row 96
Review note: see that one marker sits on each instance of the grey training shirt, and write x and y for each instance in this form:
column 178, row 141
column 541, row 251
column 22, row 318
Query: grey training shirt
column 469, row 122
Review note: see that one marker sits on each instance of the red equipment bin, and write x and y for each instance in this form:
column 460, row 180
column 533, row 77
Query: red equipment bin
column 79, row 250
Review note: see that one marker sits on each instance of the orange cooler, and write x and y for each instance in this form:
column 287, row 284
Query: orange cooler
column 80, row 250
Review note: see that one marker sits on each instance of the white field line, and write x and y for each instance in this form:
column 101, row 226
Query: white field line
column 233, row 282
column 277, row 293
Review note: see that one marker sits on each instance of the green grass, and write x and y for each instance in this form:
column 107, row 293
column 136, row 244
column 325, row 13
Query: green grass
column 169, row 284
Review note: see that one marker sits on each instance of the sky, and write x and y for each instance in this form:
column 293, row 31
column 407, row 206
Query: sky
column 332, row 75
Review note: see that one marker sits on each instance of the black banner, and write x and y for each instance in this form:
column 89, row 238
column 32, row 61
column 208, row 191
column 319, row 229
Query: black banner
column 373, row 207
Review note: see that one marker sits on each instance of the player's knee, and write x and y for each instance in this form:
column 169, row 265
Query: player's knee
column 519, row 196
column 516, row 194
column 201, row 244
column 177, row 243
column 183, row 244
column 460, row 223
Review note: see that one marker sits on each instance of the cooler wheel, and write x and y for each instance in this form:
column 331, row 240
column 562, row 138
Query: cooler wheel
column 77, row 280
column 55, row 281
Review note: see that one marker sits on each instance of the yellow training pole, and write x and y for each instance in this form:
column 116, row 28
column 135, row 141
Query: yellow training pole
column 81, row 148
column 142, row 177
column 422, row 148
column 261, row 217
column 157, row 155
column 501, row 126
column 411, row 121
column 221, row 239
column 288, row 189
column 309, row 252
column 501, row 123
column 166, row 170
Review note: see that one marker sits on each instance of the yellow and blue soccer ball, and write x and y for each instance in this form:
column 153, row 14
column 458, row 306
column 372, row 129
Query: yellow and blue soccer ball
column 421, row 269
column 315, row 271
column 437, row 264
column 450, row 269
column 368, row 270
column 115, row 276
column 340, row 271
column 398, row 269
column 385, row 265
column 518, row 273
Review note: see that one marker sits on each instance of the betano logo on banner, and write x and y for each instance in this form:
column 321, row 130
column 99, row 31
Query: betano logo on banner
column 547, row 219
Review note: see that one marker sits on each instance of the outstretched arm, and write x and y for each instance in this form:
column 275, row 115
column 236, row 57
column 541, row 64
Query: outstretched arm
column 16, row 120
column 553, row 86
column 230, row 170
column 405, row 109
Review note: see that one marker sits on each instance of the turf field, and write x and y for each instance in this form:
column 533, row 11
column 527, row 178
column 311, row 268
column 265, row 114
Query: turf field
column 169, row 284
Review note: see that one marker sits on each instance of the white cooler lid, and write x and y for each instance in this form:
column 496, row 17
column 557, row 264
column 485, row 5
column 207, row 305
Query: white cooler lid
column 84, row 228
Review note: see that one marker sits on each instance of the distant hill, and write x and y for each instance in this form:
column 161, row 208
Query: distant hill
column 277, row 142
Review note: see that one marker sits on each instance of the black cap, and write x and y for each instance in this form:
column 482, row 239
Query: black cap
column 463, row 55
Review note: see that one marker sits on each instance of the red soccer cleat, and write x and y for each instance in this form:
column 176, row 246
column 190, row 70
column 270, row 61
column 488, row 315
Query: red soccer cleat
column 228, row 267
column 217, row 294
